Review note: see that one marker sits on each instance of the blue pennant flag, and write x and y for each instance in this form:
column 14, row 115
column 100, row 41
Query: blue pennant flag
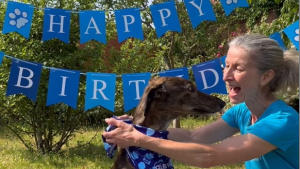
column 222, row 59
column 129, row 24
column 165, row 18
column 56, row 24
column 230, row 5
column 24, row 78
column 92, row 26
column 18, row 18
column 1, row 57
column 276, row 36
column 209, row 77
column 199, row 10
column 100, row 90
column 292, row 33
column 133, row 88
column 63, row 87
column 181, row 72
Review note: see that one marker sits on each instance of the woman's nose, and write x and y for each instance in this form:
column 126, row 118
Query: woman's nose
column 227, row 75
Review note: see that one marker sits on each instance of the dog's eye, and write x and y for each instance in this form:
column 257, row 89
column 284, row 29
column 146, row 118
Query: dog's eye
column 191, row 89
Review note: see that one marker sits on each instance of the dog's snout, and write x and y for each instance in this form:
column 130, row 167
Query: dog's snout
column 221, row 102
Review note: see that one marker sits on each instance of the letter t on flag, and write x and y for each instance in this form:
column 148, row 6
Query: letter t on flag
column 209, row 77
column 24, row 78
column 133, row 88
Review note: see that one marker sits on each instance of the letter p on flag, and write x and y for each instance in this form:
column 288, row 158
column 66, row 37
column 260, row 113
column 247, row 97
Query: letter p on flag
column 24, row 78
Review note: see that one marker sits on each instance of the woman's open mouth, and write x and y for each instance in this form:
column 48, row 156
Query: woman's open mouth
column 234, row 90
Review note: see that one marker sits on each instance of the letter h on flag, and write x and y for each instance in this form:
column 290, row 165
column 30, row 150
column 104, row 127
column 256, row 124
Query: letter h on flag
column 208, row 77
column 133, row 88
column 24, row 78
column 56, row 24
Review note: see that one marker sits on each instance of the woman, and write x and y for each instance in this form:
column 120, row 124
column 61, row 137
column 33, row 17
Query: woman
column 256, row 69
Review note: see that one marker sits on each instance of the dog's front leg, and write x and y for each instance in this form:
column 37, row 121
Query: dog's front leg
column 122, row 162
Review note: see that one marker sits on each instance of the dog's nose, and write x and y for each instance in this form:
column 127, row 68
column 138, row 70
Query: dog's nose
column 221, row 102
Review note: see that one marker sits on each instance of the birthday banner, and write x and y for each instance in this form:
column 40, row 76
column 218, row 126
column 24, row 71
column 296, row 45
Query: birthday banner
column 100, row 87
column 18, row 18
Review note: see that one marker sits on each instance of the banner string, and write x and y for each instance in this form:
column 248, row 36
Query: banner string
column 46, row 67
column 71, row 11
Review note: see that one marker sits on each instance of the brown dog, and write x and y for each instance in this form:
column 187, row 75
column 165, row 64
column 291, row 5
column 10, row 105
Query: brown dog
column 164, row 99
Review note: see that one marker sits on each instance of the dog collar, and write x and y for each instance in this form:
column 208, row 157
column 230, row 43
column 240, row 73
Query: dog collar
column 139, row 157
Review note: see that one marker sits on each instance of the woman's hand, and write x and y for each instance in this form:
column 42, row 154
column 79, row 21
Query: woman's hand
column 125, row 117
column 124, row 135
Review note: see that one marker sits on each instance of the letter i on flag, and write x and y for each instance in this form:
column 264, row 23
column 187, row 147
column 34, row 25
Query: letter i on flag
column 292, row 33
column 165, row 18
column 133, row 88
column 63, row 87
column 18, row 18
column 208, row 77
column 92, row 26
column 100, row 90
column 24, row 78
column 230, row 5
column 56, row 24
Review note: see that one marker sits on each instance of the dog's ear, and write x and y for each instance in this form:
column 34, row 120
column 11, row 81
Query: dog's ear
column 154, row 93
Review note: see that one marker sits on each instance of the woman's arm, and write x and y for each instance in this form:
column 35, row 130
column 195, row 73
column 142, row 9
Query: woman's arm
column 233, row 150
column 209, row 134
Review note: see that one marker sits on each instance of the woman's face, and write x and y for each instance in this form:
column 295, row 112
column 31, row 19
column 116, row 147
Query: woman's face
column 241, row 77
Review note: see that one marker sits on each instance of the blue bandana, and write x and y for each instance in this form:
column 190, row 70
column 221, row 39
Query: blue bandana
column 142, row 158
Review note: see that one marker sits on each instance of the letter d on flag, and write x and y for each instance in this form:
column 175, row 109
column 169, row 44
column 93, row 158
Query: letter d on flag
column 24, row 78
column 209, row 77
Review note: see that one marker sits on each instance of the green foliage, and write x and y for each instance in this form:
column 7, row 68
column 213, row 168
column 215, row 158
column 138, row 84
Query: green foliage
column 14, row 155
column 49, row 128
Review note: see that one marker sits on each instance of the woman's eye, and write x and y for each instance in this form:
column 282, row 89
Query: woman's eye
column 239, row 69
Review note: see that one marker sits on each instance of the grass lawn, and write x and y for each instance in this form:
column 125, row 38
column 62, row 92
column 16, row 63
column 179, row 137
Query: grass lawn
column 13, row 155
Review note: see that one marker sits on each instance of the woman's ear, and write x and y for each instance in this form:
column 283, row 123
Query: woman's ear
column 267, row 77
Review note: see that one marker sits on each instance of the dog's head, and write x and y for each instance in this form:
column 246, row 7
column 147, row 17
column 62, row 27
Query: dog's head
column 174, row 96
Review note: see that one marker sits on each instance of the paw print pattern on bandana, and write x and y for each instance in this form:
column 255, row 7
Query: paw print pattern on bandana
column 150, row 132
column 18, row 18
column 142, row 165
column 231, row 1
column 296, row 38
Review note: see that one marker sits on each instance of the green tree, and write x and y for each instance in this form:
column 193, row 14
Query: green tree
column 47, row 128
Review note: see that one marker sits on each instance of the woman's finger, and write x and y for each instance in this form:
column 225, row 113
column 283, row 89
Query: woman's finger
column 113, row 122
column 125, row 116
